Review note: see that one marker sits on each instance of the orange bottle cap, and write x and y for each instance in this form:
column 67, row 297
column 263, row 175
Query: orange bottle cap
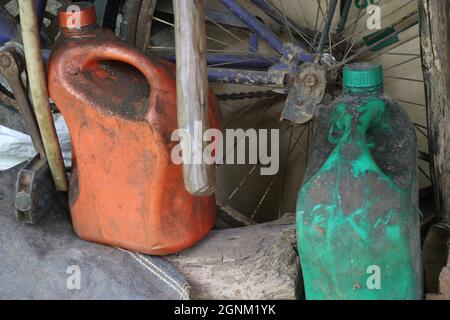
column 77, row 15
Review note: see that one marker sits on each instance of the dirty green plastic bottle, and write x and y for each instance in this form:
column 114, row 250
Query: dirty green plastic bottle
column 357, row 211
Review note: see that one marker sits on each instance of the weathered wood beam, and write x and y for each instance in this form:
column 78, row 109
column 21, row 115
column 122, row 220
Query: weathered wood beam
column 434, row 36
column 254, row 262
column 39, row 94
column 192, row 93
column 145, row 23
column 444, row 282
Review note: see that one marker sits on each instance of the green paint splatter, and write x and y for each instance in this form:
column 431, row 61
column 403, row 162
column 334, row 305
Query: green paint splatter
column 336, row 247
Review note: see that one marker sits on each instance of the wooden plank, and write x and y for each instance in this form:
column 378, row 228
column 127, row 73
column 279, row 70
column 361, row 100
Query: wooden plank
column 444, row 282
column 434, row 37
column 254, row 262
column 435, row 250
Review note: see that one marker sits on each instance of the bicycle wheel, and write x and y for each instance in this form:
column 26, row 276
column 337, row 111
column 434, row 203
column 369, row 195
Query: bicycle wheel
column 335, row 32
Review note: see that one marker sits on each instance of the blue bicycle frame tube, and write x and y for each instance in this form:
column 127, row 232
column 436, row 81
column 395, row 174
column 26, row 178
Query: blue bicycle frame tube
column 235, row 60
column 262, row 31
column 8, row 25
column 40, row 6
column 257, row 78
column 275, row 15
column 255, row 25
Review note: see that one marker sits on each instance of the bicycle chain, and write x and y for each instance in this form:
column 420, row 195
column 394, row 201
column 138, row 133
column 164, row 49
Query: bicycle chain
column 247, row 95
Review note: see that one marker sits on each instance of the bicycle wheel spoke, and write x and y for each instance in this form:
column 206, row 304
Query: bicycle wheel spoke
column 247, row 175
column 394, row 47
column 285, row 174
column 343, row 21
column 288, row 27
column 219, row 41
column 239, row 39
column 207, row 37
column 239, row 140
column 316, row 25
column 364, row 29
column 321, row 9
column 424, row 173
column 420, row 126
column 303, row 35
column 241, row 183
column 240, row 114
column 272, row 180
column 366, row 49
column 266, row 192
column 423, row 156
column 163, row 21
column 421, row 131
column 326, row 29
column 355, row 21
column 349, row 49
column 290, row 150
column 228, row 32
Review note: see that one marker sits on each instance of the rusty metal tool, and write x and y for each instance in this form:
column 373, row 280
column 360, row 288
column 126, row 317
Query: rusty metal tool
column 11, row 67
column 307, row 91
column 35, row 192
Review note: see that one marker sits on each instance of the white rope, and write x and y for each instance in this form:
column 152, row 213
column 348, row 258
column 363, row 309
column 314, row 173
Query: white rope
column 163, row 276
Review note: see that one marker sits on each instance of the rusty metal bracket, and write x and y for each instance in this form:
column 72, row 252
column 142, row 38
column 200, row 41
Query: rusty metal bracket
column 307, row 91
column 35, row 191
column 11, row 67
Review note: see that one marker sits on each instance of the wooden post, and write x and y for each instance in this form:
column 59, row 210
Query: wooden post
column 38, row 87
column 434, row 38
column 192, row 94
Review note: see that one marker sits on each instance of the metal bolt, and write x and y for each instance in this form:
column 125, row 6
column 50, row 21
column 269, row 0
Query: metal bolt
column 72, row 70
column 23, row 201
column 309, row 80
column 5, row 61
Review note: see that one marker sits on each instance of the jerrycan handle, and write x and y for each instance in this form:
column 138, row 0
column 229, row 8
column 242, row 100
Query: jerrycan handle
column 123, row 53
column 199, row 178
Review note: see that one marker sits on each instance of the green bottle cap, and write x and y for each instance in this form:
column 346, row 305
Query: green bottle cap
column 363, row 77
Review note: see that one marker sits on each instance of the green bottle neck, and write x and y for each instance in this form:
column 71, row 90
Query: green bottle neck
column 370, row 91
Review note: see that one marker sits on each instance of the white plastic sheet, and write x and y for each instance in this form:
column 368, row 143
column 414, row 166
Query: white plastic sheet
column 16, row 147
column 64, row 139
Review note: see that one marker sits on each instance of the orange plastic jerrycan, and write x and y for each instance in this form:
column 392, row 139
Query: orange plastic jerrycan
column 120, row 108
